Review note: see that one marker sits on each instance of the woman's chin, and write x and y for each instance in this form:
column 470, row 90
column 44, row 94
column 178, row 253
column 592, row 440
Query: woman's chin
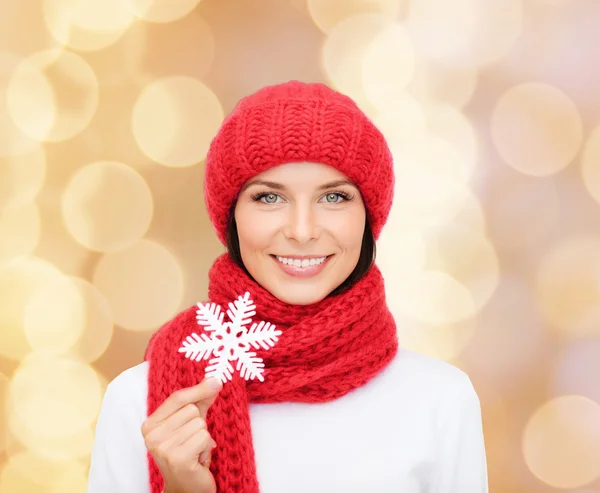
column 298, row 293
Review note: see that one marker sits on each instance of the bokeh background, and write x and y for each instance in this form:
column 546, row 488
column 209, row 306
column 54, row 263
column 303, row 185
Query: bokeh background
column 491, row 255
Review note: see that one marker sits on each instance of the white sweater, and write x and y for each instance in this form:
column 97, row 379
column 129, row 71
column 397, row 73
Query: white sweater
column 415, row 428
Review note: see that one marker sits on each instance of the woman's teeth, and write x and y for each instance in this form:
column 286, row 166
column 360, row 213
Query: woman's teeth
column 296, row 262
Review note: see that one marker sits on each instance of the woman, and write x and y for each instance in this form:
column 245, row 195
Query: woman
column 298, row 186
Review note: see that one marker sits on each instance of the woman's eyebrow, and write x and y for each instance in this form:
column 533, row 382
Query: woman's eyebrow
column 270, row 184
column 337, row 183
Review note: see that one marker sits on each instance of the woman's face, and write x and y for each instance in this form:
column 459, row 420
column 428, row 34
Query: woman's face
column 300, row 228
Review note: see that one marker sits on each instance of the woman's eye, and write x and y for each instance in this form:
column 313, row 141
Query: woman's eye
column 333, row 198
column 270, row 198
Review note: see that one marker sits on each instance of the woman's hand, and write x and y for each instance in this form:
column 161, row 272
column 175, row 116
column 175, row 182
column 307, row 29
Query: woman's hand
column 177, row 437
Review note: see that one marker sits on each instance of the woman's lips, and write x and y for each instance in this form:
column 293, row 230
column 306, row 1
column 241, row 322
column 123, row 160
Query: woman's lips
column 309, row 271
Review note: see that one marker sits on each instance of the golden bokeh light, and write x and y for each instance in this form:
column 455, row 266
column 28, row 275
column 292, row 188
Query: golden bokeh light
column 388, row 65
column 19, row 281
column 30, row 100
column 174, row 120
column 13, row 141
column 548, row 118
column 446, row 122
column 344, row 50
column 430, row 187
column 53, row 95
column 77, row 445
column 327, row 13
column 509, row 316
column 466, row 32
column 107, row 225
column 27, row 472
column 443, row 341
column 567, row 288
column 401, row 252
column 590, row 164
column 19, row 231
column 161, row 10
column 432, row 297
column 142, row 284
column 86, row 25
column 3, row 418
column 467, row 256
column 472, row 215
column 98, row 329
column 521, row 210
column 441, row 82
column 403, row 124
column 561, row 442
column 55, row 316
column 22, row 177
column 53, row 396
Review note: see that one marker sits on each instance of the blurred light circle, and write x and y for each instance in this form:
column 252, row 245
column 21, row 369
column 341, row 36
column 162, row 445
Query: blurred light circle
column 444, row 341
column 27, row 472
column 548, row 118
column 55, row 316
column 433, row 297
column 513, row 222
column 449, row 124
column 30, row 100
column 175, row 119
column 53, row 95
column 67, row 390
column 19, row 281
column 402, row 122
column 577, row 367
column 435, row 81
column 471, row 216
column 590, row 168
column 3, row 418
column 142, row 284
column 561, row 442
column 400, row 252
column 107, row 206
column 19, row 231
column 161, row 10
column 22, row 177
column 86, row 25
column 344, row 51
column 98, row 324
column 388, row 65
column 77, row 445
column 468, row 257
column 510, row 339
column 567, row 288
column 13, row 141
column 327, row 13
column 465, row 32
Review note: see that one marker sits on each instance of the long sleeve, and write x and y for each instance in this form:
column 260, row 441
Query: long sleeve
column 119, row 462
column 462, row 459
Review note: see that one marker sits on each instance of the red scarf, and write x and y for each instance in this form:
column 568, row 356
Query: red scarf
column 326, row 350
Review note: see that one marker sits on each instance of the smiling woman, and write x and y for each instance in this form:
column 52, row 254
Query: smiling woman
column 298, row 229
column 298, row 185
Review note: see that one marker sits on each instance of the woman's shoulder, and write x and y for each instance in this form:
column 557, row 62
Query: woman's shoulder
column 426, row 376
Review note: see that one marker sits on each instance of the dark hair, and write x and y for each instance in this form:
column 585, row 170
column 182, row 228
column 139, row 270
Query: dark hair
column 365, row 260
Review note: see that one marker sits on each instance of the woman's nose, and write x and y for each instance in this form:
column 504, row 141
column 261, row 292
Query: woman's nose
column 301, row 224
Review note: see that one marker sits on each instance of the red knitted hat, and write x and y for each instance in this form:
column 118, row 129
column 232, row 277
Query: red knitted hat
column 294, row 122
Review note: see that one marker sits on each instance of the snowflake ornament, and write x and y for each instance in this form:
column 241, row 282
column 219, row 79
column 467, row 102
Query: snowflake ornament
column 230, row 341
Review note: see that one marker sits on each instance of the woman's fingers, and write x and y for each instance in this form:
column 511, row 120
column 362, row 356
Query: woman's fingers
column 202, row 395
column 188, row 452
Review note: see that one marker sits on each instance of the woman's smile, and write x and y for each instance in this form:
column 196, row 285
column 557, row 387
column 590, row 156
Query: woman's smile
column 302, row 266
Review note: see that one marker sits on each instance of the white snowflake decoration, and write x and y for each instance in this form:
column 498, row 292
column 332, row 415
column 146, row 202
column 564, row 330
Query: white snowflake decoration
column 230, row 341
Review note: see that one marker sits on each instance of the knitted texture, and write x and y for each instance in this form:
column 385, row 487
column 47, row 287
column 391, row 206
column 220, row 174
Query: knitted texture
column 295, row 122
column 325, row 351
